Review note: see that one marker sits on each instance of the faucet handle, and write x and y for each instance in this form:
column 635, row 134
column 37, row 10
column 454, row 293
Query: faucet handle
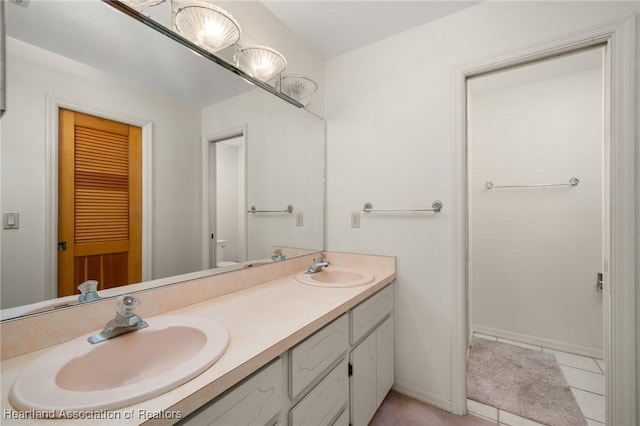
column 127, row 304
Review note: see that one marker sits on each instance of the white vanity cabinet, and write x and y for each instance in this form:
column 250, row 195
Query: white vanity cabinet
column 311, row 384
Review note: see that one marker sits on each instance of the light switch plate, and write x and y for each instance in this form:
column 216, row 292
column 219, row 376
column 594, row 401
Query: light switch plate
column 10, row 220
column 299, row 219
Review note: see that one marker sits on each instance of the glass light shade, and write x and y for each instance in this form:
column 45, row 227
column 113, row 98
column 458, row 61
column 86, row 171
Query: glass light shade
column 298, row 87
column 260, row 62
column 207, row 25
column 141, row 4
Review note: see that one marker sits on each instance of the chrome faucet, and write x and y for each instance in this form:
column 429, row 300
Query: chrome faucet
column 88, row 291
column 317, row 265
column 278, row 256
column 125, row 321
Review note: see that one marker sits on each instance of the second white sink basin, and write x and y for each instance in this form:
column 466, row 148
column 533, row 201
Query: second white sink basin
column 79, row 376
column 336, row 276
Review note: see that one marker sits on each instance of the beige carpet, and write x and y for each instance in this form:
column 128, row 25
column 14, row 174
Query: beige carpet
column 521, row 381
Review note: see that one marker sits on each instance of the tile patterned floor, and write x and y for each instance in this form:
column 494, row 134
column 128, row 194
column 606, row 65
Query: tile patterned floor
column 585, row 376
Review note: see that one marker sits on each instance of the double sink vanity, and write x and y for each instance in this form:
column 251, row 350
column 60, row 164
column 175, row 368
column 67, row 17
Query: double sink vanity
column 268, row 345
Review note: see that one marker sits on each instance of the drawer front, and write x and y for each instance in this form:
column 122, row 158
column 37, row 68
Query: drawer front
column 325, row 401
column 313, row 356
column 254, row 402
column 370, row 312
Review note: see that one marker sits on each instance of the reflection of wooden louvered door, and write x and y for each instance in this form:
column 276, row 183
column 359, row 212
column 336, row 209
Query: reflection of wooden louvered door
column 99, row 202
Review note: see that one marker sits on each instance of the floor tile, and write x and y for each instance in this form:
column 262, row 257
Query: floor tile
column 591, row 405
column 575, row 361
column 485, row 336
column 584, row 380
column 594, row 423
column 482, row 410
column 513, row 420
column 600, row 364
column 522, row 345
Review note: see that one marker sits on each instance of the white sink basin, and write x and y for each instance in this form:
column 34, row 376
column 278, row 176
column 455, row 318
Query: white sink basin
column 336, row 276
column 79, row 376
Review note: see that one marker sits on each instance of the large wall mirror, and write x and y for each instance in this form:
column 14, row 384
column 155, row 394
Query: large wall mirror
column 127, row 156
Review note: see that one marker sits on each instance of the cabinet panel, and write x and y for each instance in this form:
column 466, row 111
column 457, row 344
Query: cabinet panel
column 343, row 420
column 363, row 391
column 385, row 367
column 255, row 402
column 313, row 356
column 325, row 401
column 370, row 312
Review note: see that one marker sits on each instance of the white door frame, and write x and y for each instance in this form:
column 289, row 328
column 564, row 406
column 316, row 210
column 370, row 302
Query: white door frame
column 207, row 140
column 619, row 209
column 51, row 193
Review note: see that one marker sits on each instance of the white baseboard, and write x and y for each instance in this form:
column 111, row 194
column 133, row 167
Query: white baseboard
column 421, row 396
column 539, row 341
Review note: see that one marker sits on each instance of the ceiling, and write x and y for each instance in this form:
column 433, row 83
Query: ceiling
column 333, row 27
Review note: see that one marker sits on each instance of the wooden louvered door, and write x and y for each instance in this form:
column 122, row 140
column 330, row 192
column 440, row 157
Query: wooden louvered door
column 99, row 202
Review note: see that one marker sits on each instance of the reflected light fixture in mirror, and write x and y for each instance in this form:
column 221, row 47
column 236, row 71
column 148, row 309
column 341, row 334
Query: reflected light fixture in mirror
column 260, row 62
column 207, row 25
column 141, row 4
column 298, row 87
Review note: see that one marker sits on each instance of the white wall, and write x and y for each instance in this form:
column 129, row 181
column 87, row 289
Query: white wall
column 535, row 252
column 389, row 132
column 34, row 76
column 285, row 152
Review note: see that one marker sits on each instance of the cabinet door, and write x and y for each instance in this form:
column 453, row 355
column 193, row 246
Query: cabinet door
column 385, row 367
column 363, row 387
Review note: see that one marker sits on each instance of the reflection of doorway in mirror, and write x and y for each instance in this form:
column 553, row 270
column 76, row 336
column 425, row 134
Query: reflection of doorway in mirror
column 99, row 202
column 226, row 201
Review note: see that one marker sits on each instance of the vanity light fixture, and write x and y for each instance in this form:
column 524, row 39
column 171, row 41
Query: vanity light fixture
column 141, row 4
column 298, row 87
column 207, row 25
column 260, row 62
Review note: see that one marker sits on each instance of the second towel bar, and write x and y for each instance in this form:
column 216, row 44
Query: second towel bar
column 436, row 206
column 574, row 181
column 254, row 210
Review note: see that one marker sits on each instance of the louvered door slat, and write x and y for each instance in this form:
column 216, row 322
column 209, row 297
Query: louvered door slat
column 101, row 205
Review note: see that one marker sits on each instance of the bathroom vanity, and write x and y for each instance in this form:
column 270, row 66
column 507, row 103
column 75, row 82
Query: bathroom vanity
column 337, row 376
column 298, row 354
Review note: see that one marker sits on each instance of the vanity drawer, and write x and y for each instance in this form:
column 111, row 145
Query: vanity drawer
column 369, row 313
column 323, row 404
column 317, row 353
column 256, row 401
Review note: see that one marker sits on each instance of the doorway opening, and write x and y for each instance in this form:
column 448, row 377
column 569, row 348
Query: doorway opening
column 536, row 232
column 225, row 205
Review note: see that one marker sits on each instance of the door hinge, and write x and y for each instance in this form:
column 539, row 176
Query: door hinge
column 350, row 373
column 62, row 246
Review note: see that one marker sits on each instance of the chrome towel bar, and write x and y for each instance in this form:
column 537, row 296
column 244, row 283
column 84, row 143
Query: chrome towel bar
column 436, row 206
column 254, row 210
column 574, row 181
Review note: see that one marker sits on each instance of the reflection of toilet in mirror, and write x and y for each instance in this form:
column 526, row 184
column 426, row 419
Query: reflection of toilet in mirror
column 220, row 255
